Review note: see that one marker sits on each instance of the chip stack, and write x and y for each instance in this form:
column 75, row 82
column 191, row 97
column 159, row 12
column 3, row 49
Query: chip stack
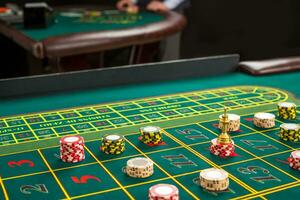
column 222, row 150
column 264, row 120
column 139, row 167
column 72, row 149
column 163, row 192
column 151, row 135
column 234, row 122
column 290, row 132
column 294, row 160
column 287, row 110
column 113, row 144
column 214, row 180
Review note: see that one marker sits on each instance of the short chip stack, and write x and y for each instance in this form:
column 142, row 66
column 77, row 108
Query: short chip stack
column 113, row 144
column 72, row 149
column 287, row 110
column 151, row 135
column 290, row 132
column 139, row 167
column 163, row 192
column 234, row 122
column 264, row 120
column 213, row 179
column 294, row 160
column 222, row 150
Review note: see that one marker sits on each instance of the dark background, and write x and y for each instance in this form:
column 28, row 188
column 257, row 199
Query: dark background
column 256, row 29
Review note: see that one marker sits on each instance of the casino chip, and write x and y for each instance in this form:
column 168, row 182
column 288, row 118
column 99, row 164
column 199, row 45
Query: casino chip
column 213, row 179
column 294, row 160
column 264, row 120
column 72, row 149
column 222, row 150
column 151, row 135
column 163, row 192
column 113, row 144
column 290, row 132
column 139, row 167
column 234, row 122
column 287, row 110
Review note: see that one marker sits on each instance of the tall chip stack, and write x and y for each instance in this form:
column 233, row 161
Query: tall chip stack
column 214, row 180
column 264, row 120
column 223, row 146
column 113, row 144
column 139, row 167
column 287, row 110
column 294, row 160
column 290, row 132
column 163, row 192
column 72, row 149
column 151, row 135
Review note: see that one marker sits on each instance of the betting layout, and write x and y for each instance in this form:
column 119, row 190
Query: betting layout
column 228, row 156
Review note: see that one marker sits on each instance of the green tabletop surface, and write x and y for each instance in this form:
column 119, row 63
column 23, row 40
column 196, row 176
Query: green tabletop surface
column 77, row 22
column 287, row 81
column 187, row 111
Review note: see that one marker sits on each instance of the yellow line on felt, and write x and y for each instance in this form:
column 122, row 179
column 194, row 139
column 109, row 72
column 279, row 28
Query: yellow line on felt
column 107, row 171
column 162, row 169
column 268, row 191
column 25, row 175
column 209, row 162
column 275, row 140
column 267, row 163
column 4, row 189
column 161, row 120
column 53, row 174
column 109, row 105
column 30, row 128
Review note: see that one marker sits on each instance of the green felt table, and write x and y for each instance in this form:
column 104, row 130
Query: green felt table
column 71, row 22
column 88, row 29
column 187, row 110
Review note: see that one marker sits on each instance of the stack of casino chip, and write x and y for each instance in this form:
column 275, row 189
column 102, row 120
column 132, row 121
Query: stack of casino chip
column 294, row 160
column 151, row 135
column 163, row 192
column 113, row 144
column 139, row 167
column 214, row 180
column 290, row 132
column 222, row 150
column 72, row 149
column 234, row 122
column 287, row 110
column 264, row 120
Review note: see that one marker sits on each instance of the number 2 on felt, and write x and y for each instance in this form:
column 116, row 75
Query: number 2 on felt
column 26, row 189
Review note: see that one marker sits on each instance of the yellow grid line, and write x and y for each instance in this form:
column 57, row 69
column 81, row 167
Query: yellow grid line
column 111, row 175
column 3, row 189
column 162, row 120
column 179, row 95
column 209, row 162
column 162, row 169
column 212, row 111
column 53, row 174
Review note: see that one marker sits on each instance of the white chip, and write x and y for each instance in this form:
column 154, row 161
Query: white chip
column 113, row 137
column 71, row 139
column 262, row 115
column 231, row 117
column 290, row 126
column 139, row 162
column 286, row 104
column 296, row 154
column 150, row 129
column 213, row 174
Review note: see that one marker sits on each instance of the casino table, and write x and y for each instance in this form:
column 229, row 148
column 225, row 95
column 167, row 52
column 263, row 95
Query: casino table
column 76, row 31
column 184, row 102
